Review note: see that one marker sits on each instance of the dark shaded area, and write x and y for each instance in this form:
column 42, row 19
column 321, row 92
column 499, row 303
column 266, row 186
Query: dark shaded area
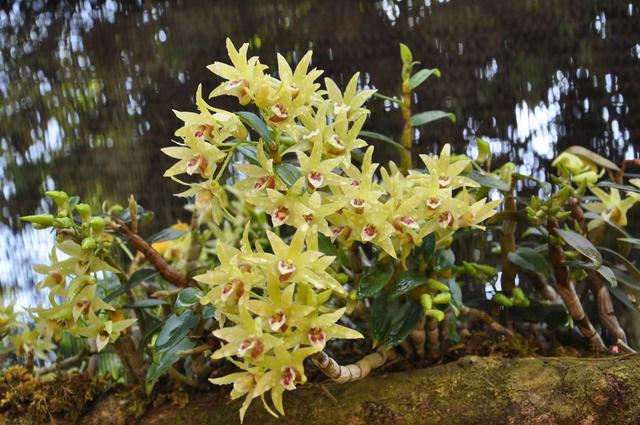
column 87, row 88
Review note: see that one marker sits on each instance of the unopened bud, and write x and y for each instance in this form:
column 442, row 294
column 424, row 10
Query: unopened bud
column 61, row 199
column 44, row 220
column 442, row 298
column 85, row 212
column 503, row 300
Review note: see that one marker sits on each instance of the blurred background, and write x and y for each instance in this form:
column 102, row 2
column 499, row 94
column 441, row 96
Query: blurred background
column 87, row 88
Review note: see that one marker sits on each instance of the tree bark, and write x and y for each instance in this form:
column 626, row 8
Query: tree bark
column 473, row 390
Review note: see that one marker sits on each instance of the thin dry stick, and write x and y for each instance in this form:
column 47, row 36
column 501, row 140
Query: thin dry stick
column 596, row 285
column 168, row 272
column 74, row 360
column 353, row 372
column 477, row 314
column 433, row 333
column 418, row 337
column 568, row 292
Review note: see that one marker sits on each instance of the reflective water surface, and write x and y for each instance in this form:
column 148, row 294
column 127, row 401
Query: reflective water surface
column 87, row 88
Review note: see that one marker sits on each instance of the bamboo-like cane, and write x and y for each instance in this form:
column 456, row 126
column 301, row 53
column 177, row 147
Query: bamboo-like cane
column 568, row 292
column 433, row 335
column 596, row 286
column 418, row 338
column 353, row 372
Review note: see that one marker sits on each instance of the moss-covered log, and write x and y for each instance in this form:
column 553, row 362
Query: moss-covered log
column 473, row 390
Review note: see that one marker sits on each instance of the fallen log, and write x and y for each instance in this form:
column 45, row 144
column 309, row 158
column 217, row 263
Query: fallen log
column 473, row 390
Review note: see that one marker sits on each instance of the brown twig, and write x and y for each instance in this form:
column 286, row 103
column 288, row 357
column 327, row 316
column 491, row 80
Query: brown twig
column 477, row 314
column 168, row 272
column 353, row 372
column 74, row 360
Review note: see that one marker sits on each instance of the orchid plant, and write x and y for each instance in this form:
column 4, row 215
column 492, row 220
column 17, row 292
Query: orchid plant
column 298, row 235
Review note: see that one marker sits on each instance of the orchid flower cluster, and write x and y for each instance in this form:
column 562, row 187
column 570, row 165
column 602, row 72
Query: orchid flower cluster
column 76, row 265
column 274, row 308
column 611, row 206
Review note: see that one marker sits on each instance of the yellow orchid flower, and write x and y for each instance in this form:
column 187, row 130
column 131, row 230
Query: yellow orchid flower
column 611, row 206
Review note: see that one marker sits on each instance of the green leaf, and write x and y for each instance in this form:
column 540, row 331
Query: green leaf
column 456, row 294
column 619, row 186
column 167, row 234
column 176, row 328
column 166, row 358
column 428, row 247
column 288, row 173
column 531, row 260
column 208, row 312
column 186, row 298
column 625, row 279
column 381, row 137
column 405, row 53
column 621, row 296
column 592, row 156
column 408, row 281
column 148, row 303
column 250, row 153
column 255, row 122
column 628, row 264
column 423, row 118
column 381, row 312
column 608, row 275
column 488, row 181
column 374, row 280
column 632, row 241
column 404, row 321
column 326, row 246
column 420, row 76
column 445, row 259
column 136, row 278
column 582, row 245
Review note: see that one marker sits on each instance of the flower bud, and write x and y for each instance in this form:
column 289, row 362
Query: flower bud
column 88, row 244
column 436, row 314
column 503, row 300
column 442, row 298
column 61, row 199
column 437, row 285
column 43, row 220
column 426, row 301
column 97, row 226
column 85, row 212
column 63, row 222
